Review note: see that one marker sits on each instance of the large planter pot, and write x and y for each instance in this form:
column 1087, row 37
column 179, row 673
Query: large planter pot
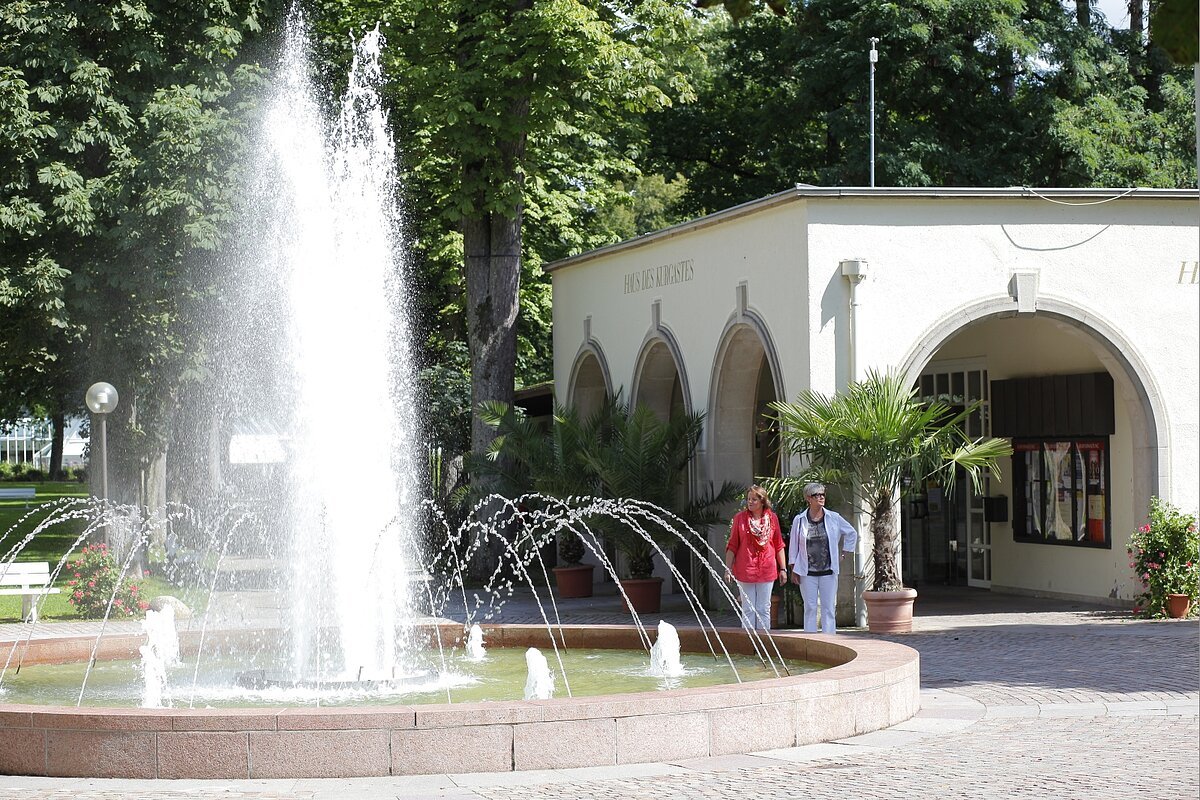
column 890, row 612
column 574, row 581
column 1177, row 605
column 645, row 594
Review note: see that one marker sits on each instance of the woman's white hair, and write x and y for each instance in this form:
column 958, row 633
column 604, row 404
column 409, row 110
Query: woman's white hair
column 813, row 488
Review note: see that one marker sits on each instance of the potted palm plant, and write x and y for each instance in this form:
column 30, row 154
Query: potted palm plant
column 868, row 439
column 528, row 456
column 643, row 457
column 614, row 453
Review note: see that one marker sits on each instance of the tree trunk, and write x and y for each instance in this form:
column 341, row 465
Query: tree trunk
column 884, row 532
column 154, row 499
column 59, row 421
column 1083, row 13
column 493, row 266
column 492, row 247
column 1137, row 36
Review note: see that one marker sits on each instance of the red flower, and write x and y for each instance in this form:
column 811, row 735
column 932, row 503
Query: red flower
column 143, row 605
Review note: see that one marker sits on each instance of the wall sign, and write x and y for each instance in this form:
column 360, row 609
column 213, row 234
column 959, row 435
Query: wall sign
column 662, row 275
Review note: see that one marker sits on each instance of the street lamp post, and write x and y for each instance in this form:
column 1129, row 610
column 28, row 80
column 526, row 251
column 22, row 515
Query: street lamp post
column 101, row 399
column 874, row 57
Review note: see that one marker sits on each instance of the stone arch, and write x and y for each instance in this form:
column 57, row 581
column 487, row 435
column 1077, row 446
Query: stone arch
column 590, row 383
column 660, row 379
column 746, row 376
column 1119, row 356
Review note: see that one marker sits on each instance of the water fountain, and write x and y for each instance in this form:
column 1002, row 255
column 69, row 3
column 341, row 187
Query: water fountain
column 664, row 654
column 318, row 320
column 475, row 649
column 539, row 683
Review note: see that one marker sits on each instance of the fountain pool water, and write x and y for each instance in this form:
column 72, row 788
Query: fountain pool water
column 501, row 677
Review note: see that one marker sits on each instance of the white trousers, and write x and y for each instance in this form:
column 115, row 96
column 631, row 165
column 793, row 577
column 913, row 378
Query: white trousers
column 756, row 605
column 819, row 591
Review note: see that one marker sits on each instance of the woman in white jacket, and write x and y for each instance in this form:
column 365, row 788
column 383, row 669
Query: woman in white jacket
column 819, row 540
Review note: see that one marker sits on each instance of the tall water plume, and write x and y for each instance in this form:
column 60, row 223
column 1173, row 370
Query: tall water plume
column 321, row 354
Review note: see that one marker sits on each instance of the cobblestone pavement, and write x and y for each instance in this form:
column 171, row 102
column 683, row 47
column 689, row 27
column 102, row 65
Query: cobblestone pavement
column 1020, row 699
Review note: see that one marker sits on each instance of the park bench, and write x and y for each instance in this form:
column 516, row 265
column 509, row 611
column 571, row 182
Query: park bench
column 31, row 580
column 25, row 493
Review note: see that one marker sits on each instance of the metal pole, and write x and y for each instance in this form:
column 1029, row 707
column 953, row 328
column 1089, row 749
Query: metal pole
column 874, row 58
column 104, row 467
column 103, row 458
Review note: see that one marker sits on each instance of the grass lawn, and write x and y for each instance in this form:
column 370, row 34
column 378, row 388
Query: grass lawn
column 50, row 545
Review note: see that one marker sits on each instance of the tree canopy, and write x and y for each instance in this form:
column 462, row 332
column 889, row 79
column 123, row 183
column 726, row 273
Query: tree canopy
column 116, row 146
column 986, row 93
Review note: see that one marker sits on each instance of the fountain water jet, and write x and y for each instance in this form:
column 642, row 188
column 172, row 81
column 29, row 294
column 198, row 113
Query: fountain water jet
column 664, row 655
column 539, row 685
column 475, row 649
column 323, row 237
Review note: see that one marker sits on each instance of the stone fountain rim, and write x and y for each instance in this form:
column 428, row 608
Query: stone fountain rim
column 870, row 684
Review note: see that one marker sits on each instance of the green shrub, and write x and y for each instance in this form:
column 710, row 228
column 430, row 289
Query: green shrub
column 92, row 580
column 7, row 471
column 33, row 474
column 1164, row 555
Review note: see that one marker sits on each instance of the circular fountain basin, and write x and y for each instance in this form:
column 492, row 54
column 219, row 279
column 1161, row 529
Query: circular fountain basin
column 869, row 685
column 225, row 682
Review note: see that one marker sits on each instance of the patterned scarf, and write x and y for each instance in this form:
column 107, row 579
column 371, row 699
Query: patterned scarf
column 760, row 529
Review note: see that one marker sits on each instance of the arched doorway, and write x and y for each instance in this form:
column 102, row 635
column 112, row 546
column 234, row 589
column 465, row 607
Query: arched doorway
column 590, row 385
column 1055, row 521
column 743, row 437
column 658, row 384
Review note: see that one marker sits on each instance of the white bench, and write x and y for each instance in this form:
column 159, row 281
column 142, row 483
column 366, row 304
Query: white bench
column 25, row 493
column 31, row 580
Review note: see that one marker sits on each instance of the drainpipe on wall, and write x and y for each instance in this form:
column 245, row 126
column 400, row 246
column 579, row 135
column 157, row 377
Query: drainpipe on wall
column 855, row 271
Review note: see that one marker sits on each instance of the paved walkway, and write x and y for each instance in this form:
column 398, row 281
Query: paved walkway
column 1021, row 698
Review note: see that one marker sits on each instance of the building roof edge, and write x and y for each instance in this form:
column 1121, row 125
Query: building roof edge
column 803, row 191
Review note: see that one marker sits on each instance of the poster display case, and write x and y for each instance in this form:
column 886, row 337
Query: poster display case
column 1061, row 491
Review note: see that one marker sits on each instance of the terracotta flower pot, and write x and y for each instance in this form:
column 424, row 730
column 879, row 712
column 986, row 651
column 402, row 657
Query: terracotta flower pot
column 574, row 581
column 1177, row 605
column 645, row 594
column 890, row 612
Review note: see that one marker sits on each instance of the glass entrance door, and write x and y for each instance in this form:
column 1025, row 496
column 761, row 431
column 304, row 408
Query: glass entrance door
column 960, row 383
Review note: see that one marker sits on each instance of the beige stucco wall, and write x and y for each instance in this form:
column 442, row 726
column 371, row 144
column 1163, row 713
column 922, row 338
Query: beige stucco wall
column 1110, row 272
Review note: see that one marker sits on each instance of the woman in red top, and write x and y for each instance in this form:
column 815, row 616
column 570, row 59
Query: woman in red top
column 755, row 558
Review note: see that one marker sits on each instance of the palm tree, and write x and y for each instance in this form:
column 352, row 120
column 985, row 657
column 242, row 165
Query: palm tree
column 529, row 456
column 868, row 439
column 613, row 453
column 641, row 457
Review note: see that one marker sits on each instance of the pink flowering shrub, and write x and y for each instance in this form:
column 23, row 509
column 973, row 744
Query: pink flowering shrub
column 92, row 582
column 1164, row 557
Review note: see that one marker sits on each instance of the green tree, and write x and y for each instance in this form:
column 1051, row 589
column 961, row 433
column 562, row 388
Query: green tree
column 119, row 133
column 985, row 92
column 867, row 440
column 505, row 108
